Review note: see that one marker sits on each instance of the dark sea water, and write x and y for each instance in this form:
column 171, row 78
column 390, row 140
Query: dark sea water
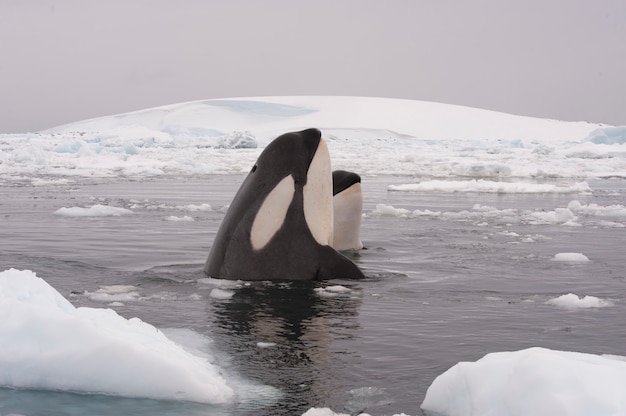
column 440, row 289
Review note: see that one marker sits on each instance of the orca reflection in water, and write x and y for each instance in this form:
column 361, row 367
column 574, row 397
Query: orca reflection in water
column 347, row 210
column 279, row 225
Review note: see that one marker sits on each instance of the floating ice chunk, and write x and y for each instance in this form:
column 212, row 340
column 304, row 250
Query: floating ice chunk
column 325, row 411
column 193, row 207
column 563, row 215
column 93, row 211
column 571, row 257
column 489, row 187
column 559, row 216
column 483, row 208
column 616, row 210
column 572, row 301
column 47, row 343
column 390, row 211
column 534, row 381
column 337, row 289
column 185, row 218
column 114, row 293
column 322, row 411
column 218, row 293
column 610, row 224
column 332, row 291
column 483, row 214
column 222, row 283
column 426, row 213
column 265, row 344
column 47, row 182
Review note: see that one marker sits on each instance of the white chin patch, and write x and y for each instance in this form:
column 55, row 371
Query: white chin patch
column 318, row 196
column 348, row 208
column 272, row 213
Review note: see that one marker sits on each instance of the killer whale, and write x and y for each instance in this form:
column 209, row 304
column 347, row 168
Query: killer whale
column 279, row 225
column 347, row 210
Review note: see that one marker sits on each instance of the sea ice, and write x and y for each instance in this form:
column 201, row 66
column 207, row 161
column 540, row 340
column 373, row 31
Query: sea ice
column 390, row 211
column 608, row 135
column 534, row 381
column 194, row 207
column 571, row 257
column 114, row 293
column 325, row 411
column 47, row 343
column 486, row 186
column 93, row 211
column 572, row 301
column 365, row 135
column 184, row 218
column 332, row 291
column 217, row 293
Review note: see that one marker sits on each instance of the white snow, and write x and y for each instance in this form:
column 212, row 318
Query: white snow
column 571, row 257
column 365, row 135
column 572, row 301
column 92, row 211
column 534, row 381
column 47, row 343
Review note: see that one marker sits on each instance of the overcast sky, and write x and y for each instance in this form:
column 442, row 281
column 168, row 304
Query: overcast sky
column 64, row 61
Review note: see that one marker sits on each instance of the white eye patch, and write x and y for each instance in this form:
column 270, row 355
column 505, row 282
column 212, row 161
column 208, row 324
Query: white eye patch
column 272, row 213
column 318, row 196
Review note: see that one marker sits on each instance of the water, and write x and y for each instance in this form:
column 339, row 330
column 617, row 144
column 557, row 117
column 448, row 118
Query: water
column 439, row 290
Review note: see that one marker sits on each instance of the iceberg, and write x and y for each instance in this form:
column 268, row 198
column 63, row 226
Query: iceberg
column 371, row 136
